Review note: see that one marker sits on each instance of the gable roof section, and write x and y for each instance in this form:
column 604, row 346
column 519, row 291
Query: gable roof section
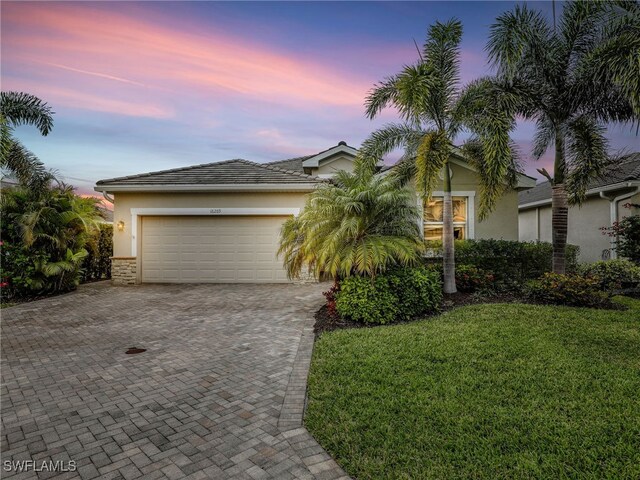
column 226, row 175
column 628, row 170
column 341, row 148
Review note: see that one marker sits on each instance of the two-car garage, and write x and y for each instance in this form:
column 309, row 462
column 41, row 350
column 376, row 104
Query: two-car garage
column 211, row 249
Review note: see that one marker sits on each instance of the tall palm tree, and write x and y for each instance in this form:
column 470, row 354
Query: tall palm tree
column 17, row 108
column 358, row 224
column 571, row 79
column 434, row 111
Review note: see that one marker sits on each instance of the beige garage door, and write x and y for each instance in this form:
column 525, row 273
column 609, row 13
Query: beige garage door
column 225, row 249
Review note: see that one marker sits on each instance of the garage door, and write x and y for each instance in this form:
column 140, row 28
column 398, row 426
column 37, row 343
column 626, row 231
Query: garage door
column 221, row 249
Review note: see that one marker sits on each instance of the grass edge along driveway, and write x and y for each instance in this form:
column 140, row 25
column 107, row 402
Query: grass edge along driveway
column 486, row 391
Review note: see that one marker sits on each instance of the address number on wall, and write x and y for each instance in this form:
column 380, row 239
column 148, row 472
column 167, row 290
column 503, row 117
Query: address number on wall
column 215, row 210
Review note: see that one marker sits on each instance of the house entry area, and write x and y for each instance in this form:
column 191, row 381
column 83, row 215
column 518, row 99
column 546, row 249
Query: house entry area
column 211, row 249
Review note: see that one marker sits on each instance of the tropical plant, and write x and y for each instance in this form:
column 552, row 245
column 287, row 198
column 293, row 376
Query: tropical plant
column 626, row 234
column 571, row 79
column 17, row 108
column 44, row 235
column 435, row 110
column 358, row 224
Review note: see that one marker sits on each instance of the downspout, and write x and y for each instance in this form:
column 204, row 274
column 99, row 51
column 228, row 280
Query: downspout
column 613, row 213
column 108, row 197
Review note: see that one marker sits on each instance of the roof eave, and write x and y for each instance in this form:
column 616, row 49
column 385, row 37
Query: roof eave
column 314, row 161
column 257, row 187
column 593, row 191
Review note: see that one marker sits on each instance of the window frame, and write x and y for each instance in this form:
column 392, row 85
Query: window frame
column 469, row 225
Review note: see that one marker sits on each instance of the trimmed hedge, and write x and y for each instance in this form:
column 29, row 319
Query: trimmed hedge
column 400, row 294
column 511, row 263
column 613, row 275
column 571, row 290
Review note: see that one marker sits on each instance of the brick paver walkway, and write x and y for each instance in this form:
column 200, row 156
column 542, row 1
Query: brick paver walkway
column 218, row 394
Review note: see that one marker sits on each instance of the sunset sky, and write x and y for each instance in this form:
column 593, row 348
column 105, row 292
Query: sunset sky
column 147, row 86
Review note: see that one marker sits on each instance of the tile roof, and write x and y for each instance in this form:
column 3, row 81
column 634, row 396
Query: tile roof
column 293, row 164
column 628, row 169
column 229, row 172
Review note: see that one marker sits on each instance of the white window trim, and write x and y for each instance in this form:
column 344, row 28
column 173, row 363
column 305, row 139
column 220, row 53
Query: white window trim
column 210, row 212
column 471, row 211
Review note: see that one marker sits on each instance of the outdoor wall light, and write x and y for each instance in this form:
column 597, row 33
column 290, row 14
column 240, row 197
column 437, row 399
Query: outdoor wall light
column 120, row 226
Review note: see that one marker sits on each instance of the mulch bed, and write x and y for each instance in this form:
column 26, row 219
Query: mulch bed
column 325, row 322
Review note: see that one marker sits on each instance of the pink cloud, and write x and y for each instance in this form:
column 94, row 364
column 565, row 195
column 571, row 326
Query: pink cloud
column 93, row 52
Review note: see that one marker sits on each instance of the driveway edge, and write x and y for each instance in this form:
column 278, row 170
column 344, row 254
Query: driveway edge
column 317, row 460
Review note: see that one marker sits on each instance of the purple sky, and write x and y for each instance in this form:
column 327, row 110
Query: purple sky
column 147, row 86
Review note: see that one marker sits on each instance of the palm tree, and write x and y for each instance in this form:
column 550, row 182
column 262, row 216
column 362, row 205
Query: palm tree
column 359, row 224
column 571, row 79
column 47, row 232
column 435, row 110
column 17, row 108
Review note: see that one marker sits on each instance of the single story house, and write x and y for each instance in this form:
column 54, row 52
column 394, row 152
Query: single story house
column 604, row 205
column 220, row 222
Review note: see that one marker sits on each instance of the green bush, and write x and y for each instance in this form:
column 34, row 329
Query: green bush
column 571, row 290
column 472, row 279
column 613, row 275
column 511, row 263
column 367, row 300
column 44, row 234
column 97, row 264
column 400, row 294
column 626, row 233
column 418, row 290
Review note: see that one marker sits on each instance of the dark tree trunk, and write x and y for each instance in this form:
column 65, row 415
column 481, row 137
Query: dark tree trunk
column 559, row 208
column 560, row 216
column 448, row 251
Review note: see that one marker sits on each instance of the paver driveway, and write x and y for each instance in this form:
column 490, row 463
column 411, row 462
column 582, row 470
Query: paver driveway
column 217, row 394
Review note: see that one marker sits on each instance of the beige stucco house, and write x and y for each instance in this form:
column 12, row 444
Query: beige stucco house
column 220, row 222
column 605, row 204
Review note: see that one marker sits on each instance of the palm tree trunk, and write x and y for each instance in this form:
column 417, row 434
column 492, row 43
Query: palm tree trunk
column 448, row 252
column 559, row 209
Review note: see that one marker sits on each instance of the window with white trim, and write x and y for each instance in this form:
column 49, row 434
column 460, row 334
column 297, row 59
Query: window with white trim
column 432, row 220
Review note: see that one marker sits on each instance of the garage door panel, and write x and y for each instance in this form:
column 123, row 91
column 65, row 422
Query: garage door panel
column 193, row 249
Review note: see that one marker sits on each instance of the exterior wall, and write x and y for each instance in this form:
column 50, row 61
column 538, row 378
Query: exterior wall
column 502, row 223
column 124, row 271
column 124, row 202
column 584, row 227
column 625, row 212
column 332, row 165
column 528, row 225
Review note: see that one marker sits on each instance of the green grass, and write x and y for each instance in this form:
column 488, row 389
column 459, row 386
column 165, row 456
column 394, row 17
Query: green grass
column 501, row 391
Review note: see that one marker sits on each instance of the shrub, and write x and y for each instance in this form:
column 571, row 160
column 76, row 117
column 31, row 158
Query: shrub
column 613, row 275
column 97, row 264
column 471, row 279
column 367, row 300
column 400, row 294
column 511, row 263
column 44, row 235
column 330, row 295
column 571, row 289
column 627, row 233
column 418, row 290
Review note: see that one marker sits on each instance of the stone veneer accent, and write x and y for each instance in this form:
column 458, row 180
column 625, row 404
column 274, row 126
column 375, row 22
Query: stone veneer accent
column 124, row 270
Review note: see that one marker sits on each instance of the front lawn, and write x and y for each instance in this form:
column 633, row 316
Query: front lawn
column 485, row 391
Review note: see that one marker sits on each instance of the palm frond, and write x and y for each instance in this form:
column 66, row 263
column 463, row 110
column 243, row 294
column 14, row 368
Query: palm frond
column 587, row 155
column 383, row 141
column 19, row 108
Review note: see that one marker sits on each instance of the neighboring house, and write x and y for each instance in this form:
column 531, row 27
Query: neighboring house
column 7, row 183
column 220, row 222
column 605, row 204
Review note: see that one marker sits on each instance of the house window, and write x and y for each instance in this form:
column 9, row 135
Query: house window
column 433, row 227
